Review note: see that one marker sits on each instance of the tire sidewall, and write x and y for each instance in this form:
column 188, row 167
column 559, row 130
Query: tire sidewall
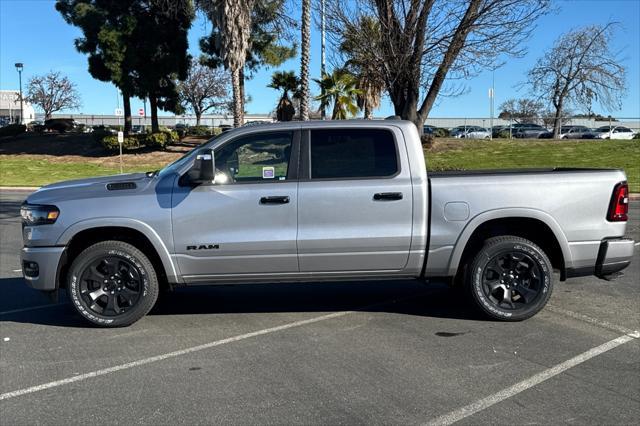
column 481, row 299
column 131, row 254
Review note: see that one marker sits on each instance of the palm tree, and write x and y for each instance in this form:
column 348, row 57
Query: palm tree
column 287, row 82
column 339, row 88
column 304, row 59
column 359, row 44
column 233, row 18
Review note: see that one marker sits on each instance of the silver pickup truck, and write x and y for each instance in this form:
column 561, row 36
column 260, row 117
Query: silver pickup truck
column 318, row 201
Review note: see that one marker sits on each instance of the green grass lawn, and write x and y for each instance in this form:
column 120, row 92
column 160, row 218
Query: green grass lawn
column 447, row 154
column 17, row 171
column 501, row 154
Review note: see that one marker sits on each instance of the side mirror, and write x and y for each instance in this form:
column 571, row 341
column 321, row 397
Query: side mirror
column 203, row 169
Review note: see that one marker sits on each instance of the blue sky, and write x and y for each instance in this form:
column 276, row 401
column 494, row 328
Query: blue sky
column 32, row 32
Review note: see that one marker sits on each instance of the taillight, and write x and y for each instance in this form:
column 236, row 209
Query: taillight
column 619, row 206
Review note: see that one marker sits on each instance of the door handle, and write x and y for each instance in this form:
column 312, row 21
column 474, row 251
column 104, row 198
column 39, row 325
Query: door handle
column 387, row 196
column 275, row 199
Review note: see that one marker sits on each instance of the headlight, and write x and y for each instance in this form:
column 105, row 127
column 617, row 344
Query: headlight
column 34, row 214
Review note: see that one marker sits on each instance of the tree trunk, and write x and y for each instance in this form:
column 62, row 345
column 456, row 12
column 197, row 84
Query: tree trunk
column 238, row 110
column 368, row 113
column 153, row 104
column 304, row 60
column 126, row 102
column 557, row 121
column 198, row 115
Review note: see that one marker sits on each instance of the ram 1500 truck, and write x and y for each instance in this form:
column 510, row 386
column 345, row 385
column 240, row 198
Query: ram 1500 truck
column 318, row 201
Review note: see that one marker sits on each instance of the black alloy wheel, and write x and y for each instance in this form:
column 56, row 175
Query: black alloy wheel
column 112, row 284
column 510, row 278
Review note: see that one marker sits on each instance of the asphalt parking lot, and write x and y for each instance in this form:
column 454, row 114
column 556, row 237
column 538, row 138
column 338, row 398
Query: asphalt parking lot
column 392, row 352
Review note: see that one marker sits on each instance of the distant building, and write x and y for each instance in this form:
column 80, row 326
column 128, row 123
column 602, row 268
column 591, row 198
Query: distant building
column 10, row 108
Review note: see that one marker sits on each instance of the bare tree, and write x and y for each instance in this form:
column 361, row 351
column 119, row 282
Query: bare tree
column 52, row 92
column 578, row 70
column 204, row 89
column 428, row 43
column 521, row 110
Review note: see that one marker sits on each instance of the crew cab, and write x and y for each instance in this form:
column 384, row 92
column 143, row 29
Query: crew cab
column 318, row 201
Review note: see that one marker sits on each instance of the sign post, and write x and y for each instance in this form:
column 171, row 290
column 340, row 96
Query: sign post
column 120, row 142
column 140, row 115
column 119, row 113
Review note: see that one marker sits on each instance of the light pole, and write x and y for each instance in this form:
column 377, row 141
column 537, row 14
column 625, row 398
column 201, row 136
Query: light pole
column 19, row 67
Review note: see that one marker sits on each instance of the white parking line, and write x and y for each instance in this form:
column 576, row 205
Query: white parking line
column 532, row 381
column 32, row 308
column 585, row 318
column 637, row 244
column 162, row 357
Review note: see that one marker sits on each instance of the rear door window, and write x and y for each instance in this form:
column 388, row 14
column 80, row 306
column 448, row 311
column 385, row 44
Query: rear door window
column 353, row 153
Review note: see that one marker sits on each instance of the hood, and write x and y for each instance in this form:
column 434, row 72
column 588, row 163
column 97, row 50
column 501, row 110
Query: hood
column 90, row 188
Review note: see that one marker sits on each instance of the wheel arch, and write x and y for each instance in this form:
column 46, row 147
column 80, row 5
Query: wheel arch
column 534, row 225
column 83, row 234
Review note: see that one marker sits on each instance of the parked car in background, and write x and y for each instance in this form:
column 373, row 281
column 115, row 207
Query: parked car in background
column 611, row 132
column 470, row 132
column 527, row 130
column 568, row 132
column 428, row 129
column 60, row 125
column 137, row 129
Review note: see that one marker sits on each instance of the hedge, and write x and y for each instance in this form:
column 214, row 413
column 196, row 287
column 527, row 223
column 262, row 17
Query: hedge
column 13, row 130
column 131, row 142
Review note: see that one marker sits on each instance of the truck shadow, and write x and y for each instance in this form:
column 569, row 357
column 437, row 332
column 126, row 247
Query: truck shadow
column 398, row 297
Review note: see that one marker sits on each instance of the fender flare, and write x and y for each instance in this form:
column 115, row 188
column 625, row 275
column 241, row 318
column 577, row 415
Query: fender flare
column 506, row 213
column 143, row 228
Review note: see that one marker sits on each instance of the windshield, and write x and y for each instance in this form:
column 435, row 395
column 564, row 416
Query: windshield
column 603, row 129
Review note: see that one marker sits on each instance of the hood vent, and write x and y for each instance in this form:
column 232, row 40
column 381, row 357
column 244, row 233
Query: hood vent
column 117, row 186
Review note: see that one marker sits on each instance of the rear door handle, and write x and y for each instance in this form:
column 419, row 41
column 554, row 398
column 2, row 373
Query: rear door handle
column 275, row 199
column 387, row 196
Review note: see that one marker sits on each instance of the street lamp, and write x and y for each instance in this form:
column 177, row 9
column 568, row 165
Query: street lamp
column 19, row 67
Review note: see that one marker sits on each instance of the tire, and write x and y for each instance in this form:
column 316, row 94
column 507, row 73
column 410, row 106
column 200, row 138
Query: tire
column 112, row 284
column 510, row 279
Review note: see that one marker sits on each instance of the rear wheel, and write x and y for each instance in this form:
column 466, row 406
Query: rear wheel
column 510, row 279
column 112, row 284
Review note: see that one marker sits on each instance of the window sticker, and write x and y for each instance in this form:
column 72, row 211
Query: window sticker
column 268, row 172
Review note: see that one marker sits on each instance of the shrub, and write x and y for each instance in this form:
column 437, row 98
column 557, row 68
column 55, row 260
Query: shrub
column 199, row 131
column 110, row 142
column 13, row 130
column 440, row 132
column 172, row 136
column 503, row 134
column 636, row 136
column 427, row 141
column 157, row 140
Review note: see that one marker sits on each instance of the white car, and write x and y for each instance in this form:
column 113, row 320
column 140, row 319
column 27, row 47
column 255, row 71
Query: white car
column 470, row 132
column 613, row 132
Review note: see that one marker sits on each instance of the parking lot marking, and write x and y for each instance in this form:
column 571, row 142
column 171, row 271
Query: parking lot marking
column 532, row 381
column 31, row 308
column 174, row 354
column 594, row 321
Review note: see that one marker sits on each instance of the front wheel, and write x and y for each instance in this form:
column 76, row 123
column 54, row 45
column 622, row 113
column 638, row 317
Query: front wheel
column 112, row 284
column 511, row 278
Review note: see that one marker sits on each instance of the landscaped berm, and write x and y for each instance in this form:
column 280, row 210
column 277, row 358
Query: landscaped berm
column 35, row 160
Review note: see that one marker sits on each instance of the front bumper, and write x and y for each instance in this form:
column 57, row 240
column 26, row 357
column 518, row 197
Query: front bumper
column 614, row 255
column 44, row 276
